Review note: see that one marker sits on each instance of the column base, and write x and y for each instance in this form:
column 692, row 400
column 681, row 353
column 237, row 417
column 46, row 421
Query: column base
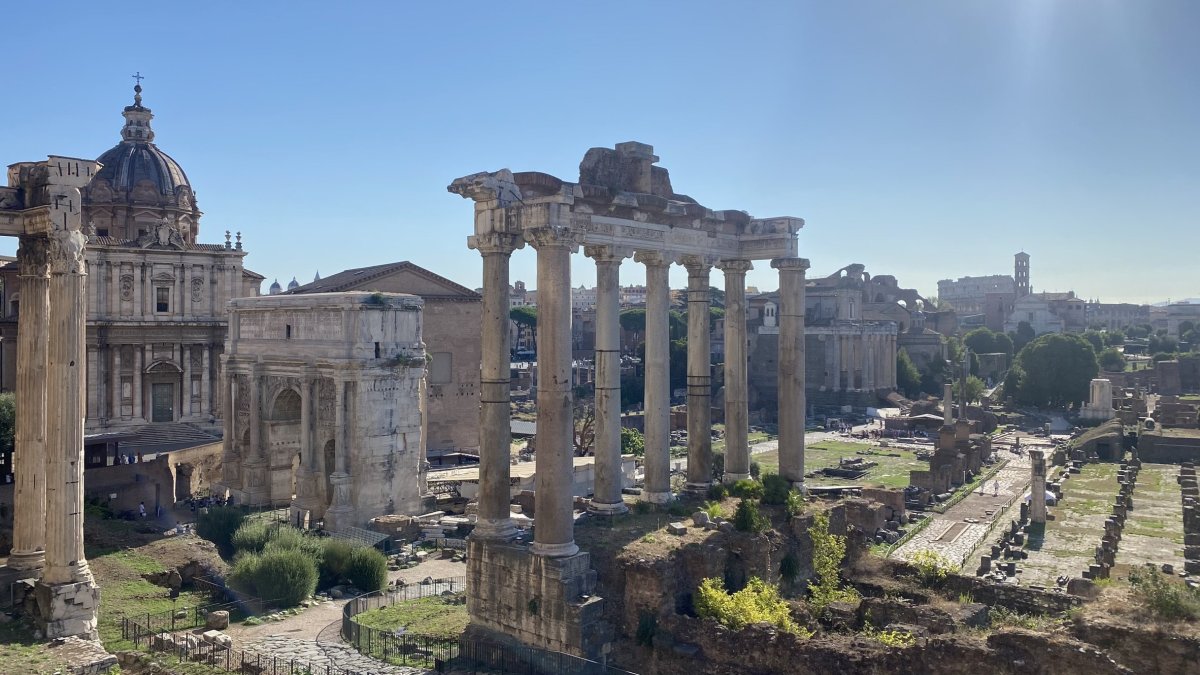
column 27, row 560
column 502, row 529
column 799, row 486
column 605, row 509
column 554, row 550
column 731, row 478
column 697, row 488
column 65, row 610
column 338, row 517
column 656, row 497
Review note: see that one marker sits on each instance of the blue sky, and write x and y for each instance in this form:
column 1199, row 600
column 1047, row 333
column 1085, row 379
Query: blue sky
column 926, row 140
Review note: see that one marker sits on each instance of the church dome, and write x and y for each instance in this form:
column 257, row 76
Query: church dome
column 136, row 158
column 275, row 289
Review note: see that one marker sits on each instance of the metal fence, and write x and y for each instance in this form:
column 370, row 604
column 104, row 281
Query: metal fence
column 461, row 655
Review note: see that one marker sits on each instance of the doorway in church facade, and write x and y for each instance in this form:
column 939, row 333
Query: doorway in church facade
column 162, row 402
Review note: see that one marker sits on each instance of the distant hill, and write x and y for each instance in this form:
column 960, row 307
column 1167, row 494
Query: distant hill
column 1186, row 301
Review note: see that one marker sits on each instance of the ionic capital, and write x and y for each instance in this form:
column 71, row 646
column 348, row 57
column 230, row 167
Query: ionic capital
column 697, row 264
column 33, row 256
column 652, row 258
column 790, row 264
column 731, row 267
column 66, row 252
column 495, row 243
column 552, row 236
column 604, row 253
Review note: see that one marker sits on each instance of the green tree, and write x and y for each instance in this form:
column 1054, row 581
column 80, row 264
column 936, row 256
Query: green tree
column 1055, row 370
column 1163, row 343
column 828, row 552
column 526, row 316
column 975, row 387
column 908, row 379
column 1112, row 360
column 8, row 419
column 1096, row 339
column 1024, row 335
column 1113, row 338
column 632, row 442
column 1185, row 326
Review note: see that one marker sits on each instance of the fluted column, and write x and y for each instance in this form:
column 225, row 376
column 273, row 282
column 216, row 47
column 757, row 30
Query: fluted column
column 495, row 433
column 117, row 391
column 657, row 378
column 737, row 412
column 868, row 346
column 205, row 380
column 341, row 510
column 231, row 457
column 699, row 377
column 65, row 404
column 186, row 397
column 33, row 328
column 306, row 473
column 554, row 524
column 791, row 367
column 254, row 482
column 836, row 346
column 607, row 493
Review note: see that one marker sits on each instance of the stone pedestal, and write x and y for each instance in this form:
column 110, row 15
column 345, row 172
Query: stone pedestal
column 537, row 600
column 62, row 610
column 341, row 513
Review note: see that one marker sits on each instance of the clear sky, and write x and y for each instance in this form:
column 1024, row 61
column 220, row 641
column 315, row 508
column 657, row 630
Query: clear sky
column 926, row 140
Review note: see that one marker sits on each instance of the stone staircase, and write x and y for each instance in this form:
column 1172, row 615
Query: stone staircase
column 164, row 437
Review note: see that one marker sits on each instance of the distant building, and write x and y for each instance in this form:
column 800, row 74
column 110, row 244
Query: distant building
column 1116, row 315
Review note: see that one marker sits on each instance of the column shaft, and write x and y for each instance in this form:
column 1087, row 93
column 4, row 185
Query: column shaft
column 137, row 381
column 33, row 327
column 117, row 392
column 185, row 410
column 699, row 379
column 65, row 404
column 737, row 450
column 495, row 431
column 791, row 367
column 554, row 524
column 607, row 493
column 657, row 419
column 205, row 381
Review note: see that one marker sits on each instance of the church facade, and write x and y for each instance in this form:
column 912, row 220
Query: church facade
column 157, row 297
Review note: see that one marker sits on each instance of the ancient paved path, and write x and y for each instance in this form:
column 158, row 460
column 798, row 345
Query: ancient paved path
column 320, row 655
column 963, row 527
column 1071, row 538
column 1154, row 528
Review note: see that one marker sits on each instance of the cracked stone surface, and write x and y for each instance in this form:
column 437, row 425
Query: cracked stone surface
column 322, row 654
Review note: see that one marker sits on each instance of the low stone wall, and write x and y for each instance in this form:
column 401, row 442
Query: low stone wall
column 1171, row 447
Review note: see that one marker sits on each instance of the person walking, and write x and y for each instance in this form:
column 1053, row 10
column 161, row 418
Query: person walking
column 142, row 509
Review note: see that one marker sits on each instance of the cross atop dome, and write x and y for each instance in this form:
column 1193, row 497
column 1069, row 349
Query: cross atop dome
column 137, row 118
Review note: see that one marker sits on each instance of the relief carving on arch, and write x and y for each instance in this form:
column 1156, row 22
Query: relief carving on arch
column 327, row 398
column 197, row 289
column 127, row 287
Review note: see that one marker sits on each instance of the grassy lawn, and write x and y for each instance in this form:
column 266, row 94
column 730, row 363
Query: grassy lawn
column 436, row 616
column 123, row 592
column 17, row 647
column 756, row 437
column 892, row 471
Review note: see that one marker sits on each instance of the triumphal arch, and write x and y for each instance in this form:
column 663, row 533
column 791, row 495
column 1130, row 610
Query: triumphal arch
column 621, row 206
column 42, row 206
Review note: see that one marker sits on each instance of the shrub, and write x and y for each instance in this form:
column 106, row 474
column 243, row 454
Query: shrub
column 285, row 577
column 891, row 638
column 1164, row 599
column 747, row 489
column 642, row 507
column 828, row 552
column 718, row 466
column 748, row 518
column 245, row 572
column 678, row 509
column 292, row 539
column 218, row 526
column 758, row 602
column 755, row 470
column 714, row 510
column 718, row 492
column 794, row 505
column 775, row 489
column 253, row 536
column 334, row 561
column 367, row 569
column 932, row 567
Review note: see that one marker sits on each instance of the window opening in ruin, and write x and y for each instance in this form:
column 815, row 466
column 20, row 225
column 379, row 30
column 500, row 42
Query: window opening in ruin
column 162, row 299
column 288, row 332
column 376, row 350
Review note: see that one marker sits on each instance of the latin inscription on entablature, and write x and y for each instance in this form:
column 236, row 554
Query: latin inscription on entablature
column 642, row 233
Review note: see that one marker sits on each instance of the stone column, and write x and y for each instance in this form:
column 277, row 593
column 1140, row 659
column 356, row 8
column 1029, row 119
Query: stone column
column 657, row 420
column 231, row 458
column 92, row 392
column 33, row 328
column 185, row 410
column 114, row 289
column 117, row 392
column 948, row 403
column 206, row 380
column 791, row 367
column 255, row 463
column 1037, row 488
column 495, row 433
column 737, row 411
column 699, row 377
column 607, row 493
column 66, row 596
column 341, row 510
column 554, row 524
column 137, row 380
column 868, row 346
column 837, row 361
column 306, row 473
